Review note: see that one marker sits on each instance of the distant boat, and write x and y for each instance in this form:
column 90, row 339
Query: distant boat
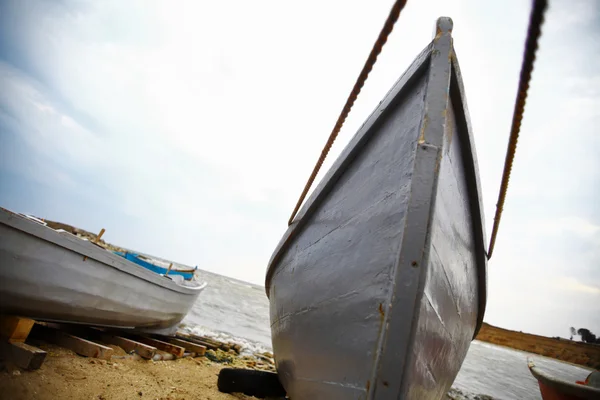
column 55, row 276
column 187, row 274
column 553, row 388
column 378, row 286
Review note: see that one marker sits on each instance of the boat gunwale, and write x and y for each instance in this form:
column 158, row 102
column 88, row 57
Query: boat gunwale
column 360, row 139
column 89, row 250
column 145, row 259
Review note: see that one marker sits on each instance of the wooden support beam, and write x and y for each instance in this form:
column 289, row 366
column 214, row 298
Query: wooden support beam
column 129, row 345
column 177, row 351
column 197, row 340
column 99, row 236
column 109, row 337
column 15, row 329
column 22, row 355
column 189, row 346
column 79, row 345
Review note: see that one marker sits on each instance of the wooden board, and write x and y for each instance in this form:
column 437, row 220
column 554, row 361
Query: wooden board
column 189, row 346
column 22, row 355
column 129, row 345
column 15, row 329
column 160, row 345
column 108, row 337
column 197, row 340
column 79, row 345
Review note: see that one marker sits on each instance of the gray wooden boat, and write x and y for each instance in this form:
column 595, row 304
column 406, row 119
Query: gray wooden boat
column 53, row 276
column 378, row 287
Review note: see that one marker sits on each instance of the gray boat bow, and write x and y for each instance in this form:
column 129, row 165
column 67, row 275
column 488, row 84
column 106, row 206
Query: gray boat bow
column 379, row 285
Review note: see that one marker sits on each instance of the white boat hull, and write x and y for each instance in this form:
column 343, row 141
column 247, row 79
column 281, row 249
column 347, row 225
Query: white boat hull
column 52, row 276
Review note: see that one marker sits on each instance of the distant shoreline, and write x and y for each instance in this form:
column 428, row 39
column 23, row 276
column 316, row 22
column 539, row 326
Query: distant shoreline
column 579, row 353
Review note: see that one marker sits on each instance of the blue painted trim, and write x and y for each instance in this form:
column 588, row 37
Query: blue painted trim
column 154, row 268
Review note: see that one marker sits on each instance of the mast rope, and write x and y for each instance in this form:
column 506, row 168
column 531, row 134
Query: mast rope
column 536, row 20
column 534, row 31
column 362, row 77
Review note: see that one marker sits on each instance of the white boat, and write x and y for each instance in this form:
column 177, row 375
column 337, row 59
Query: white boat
column 52, row 276
column 378, row 286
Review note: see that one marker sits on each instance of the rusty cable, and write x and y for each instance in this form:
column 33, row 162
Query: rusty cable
column 381, row 40
column 534, row 31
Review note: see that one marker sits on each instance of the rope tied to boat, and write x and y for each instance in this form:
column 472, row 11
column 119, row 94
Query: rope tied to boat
column 536, row 20
column 360, row 81
column 534, row 31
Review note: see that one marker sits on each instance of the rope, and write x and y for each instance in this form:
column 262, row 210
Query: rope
column 536, row 20
column 381, row 39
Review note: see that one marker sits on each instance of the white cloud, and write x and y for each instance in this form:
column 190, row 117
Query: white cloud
column 205, row 124
column 566, row 283
column 579, row 226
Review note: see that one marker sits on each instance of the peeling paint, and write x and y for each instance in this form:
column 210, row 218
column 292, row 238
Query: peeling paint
column 423, row 128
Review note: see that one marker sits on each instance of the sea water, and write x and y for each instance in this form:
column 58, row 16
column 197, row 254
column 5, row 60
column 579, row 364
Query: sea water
column 232, row 310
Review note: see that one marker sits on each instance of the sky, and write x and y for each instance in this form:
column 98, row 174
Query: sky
column 187, row 129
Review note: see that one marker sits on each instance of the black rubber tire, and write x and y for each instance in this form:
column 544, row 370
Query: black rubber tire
column 259, row 384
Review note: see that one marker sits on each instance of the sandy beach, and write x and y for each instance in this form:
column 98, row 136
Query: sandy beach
column 66, row 375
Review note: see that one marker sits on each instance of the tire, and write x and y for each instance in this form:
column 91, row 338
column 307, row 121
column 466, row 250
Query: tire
column 259, row 384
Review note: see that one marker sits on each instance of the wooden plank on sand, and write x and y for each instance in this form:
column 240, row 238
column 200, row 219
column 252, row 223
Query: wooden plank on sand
column 197, row 340
column 22, row 355
column 15, row 329
column 129, row 345
column 189, row 346
column 95, row 334
column 160, row 345
column 79, row 345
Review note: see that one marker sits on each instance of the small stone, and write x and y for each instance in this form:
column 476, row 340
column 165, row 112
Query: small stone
column 140, row 393
column 16, row 373
column 211, row 355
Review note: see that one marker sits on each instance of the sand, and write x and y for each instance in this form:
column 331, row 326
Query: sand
column 66, row 375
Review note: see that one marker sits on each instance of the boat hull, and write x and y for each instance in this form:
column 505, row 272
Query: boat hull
column 50, row 276
column 378, row 287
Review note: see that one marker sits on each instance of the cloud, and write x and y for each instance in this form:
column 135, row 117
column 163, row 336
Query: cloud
column 573, row 284
column 188, row 131
column 579, row 226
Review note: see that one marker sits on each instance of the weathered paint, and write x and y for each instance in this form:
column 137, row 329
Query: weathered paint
column 43, row 276
column 377, row 288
